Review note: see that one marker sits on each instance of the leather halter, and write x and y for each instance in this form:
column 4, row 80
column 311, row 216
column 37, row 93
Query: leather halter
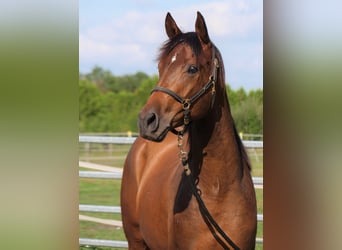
column 188, row 102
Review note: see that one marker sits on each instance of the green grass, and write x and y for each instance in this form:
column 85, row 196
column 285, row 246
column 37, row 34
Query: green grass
column 107, row 192
column 105, row 154
column 100, row 192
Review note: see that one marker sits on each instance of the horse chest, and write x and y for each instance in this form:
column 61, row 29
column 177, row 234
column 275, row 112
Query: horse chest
column 155, row 199
column 190, row 231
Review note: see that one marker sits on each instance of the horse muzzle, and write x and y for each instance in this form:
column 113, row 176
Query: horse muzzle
column 151, row 127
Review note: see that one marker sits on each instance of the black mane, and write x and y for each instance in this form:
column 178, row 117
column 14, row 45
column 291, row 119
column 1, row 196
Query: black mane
column 189, row 38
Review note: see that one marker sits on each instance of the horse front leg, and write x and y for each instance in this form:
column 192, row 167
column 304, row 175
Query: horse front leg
column 131, row 229
column 137, row 245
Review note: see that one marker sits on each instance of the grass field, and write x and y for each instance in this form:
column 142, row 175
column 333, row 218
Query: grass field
column 107, row 192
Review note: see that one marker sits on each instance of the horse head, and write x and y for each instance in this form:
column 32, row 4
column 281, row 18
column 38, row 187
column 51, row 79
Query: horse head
column 187, row 76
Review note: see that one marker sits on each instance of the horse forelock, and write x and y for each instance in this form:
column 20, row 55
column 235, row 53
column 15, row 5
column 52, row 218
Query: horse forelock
column 189, row 38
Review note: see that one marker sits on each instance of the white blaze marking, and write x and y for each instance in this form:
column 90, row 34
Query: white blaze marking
column 174, row 58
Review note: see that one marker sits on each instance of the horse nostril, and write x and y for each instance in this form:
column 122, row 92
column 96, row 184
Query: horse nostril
column 152, row 122
column 151, row 118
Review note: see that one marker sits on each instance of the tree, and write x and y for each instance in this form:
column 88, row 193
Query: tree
column 109, row 103
column 100, row 77
column 247, row 109
column 90, row 102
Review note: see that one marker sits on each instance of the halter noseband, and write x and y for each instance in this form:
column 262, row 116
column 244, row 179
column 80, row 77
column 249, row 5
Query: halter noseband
column 188, row 102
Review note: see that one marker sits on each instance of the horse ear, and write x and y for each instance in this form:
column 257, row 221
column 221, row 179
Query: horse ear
column 171, row 27
column 201, row 28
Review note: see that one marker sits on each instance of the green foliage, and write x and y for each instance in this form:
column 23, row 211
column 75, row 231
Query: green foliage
column 105, row 81
column 109, row 103
column 247, row 110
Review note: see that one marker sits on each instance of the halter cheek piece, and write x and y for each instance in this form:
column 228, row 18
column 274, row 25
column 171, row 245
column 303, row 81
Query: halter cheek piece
column 188, row 102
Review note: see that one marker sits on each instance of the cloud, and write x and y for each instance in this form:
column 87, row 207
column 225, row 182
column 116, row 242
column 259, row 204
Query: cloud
column 223, row 18
column 130, row 40
column 135, row 29
column 105, row 51
column 125, row 40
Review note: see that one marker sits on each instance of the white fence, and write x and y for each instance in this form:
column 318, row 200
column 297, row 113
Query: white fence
column 117, row 174
column 130, row 140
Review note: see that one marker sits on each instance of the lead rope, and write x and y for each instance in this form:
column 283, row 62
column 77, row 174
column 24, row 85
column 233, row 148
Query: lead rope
column 183, row 156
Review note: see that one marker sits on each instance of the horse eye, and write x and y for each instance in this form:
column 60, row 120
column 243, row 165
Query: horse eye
column 192, row 69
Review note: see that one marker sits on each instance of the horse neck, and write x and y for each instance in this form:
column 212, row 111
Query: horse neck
column 216, row 147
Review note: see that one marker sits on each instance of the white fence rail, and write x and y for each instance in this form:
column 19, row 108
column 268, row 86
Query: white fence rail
column 103, row 243
column 117, row 174
column 117, row 210
column 101, row 175
column 130, row 140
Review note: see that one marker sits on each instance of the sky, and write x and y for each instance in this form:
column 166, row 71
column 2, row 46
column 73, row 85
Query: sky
column 125, row 36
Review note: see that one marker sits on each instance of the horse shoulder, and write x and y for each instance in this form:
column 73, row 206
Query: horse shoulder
column 129, row 188
column 135, row 161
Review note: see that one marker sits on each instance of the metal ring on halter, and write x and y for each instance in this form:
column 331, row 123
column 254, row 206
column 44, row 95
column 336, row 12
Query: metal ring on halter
column 186, row 104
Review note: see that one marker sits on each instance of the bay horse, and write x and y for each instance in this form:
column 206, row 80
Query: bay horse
column 186, row 181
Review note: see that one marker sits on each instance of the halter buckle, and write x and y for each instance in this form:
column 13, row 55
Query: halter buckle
column 186, row 104
column 213, row 91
